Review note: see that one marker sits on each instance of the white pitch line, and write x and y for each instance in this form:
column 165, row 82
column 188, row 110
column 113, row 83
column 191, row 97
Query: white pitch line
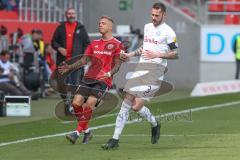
column 170, row 135
column 129, row 122
column 103, row 116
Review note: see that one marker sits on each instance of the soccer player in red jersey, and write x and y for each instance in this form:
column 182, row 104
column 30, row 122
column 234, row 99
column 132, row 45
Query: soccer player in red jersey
column 104, row 57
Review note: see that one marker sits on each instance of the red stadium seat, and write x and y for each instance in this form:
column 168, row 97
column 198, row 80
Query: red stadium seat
column 188, row 12
column 169, row 1
column 231, row 19
column 216, row 7
column 233, row 7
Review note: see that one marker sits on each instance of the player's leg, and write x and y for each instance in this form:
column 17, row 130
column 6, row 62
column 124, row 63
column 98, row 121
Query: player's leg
column 77, row 102
column 88, row 107
column 144, row 112
column 120, row 122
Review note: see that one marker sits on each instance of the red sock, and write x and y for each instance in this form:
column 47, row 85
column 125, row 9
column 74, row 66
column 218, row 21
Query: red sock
column 77, row 110
column 84, row 119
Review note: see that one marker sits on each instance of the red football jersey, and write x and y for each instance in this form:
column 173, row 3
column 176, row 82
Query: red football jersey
column 102, row 55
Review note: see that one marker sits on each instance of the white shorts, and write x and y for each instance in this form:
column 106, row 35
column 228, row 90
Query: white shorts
column 144, row 83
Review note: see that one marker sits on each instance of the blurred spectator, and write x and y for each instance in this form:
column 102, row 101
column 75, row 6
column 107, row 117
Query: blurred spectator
column 50, row 57
column 3, row 30
column 16, row 36
column 9, row 4
column 3, row 38
column 9, row 82
column 70, row 39
column 39, row 46
column 33, row 43
column 1, row 5
column 236, row 50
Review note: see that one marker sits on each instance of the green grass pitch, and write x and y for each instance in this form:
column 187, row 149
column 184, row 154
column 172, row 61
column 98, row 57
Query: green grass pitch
column 209, row 134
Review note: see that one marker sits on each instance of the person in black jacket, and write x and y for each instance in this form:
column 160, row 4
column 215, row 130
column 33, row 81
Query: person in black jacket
column 70, row 39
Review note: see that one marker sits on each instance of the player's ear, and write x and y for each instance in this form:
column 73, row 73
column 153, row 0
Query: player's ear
column 111, row 26
column 164, row 14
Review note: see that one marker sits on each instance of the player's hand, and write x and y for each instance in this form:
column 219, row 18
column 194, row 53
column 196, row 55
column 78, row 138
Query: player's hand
column 124, row 56
column 63, row 68
column 10, row 75
column 63, row 51
column 105, row 76
column 150, row 54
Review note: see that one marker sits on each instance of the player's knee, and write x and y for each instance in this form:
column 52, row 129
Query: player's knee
column 77, row 100
column 129, row 98
column 89, row 104
column 136, row 108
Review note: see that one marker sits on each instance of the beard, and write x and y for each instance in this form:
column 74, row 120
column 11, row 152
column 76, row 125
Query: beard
column 71, row 19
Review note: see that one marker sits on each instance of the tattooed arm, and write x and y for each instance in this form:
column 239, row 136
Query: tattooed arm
column 137, row 52
column 117, row 64
column 70, row 67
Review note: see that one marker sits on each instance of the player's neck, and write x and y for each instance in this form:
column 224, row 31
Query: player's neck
column 107, row 36
column 159, row 24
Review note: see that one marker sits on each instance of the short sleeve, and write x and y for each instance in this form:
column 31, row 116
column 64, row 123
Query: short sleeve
column 118, row 51
column 172, row 39
column 89, row 50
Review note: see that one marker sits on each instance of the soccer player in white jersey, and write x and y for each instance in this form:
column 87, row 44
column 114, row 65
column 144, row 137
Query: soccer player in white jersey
column 159, row 45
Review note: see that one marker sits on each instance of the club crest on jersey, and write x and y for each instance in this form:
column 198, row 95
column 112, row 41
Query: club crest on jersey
column 158, row 33
column 110, row 46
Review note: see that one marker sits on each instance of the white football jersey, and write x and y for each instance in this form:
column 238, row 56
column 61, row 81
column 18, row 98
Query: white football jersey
column 156, row 39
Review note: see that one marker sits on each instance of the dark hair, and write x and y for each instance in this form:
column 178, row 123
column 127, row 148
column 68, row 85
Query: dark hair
column 108, row 18
column 3, row 30
column 37, row 31
column 4, row 52
column 159, row 5
column 69, row 9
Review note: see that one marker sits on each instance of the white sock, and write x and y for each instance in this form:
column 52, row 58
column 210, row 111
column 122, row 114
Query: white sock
column 77, row 132
column 146, row 114
column 87, row 130
column 122, row 119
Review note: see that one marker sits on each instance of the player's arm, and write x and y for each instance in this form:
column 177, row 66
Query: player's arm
column 117, row 64
column 137, row 52
column 172, row 54
column 173, row 46
column 81, row 62
column 70, row 67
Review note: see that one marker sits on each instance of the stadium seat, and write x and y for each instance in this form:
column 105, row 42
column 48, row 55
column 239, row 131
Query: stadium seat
column 216, row 7
column 231, row 7
column 188, row 12
column 231, row 19
column 169, row 1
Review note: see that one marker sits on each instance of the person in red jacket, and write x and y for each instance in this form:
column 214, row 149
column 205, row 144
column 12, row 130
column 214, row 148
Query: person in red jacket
column 70, row 39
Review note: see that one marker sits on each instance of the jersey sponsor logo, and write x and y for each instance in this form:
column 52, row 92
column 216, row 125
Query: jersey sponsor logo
column 102, row 52
column 150, row 40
